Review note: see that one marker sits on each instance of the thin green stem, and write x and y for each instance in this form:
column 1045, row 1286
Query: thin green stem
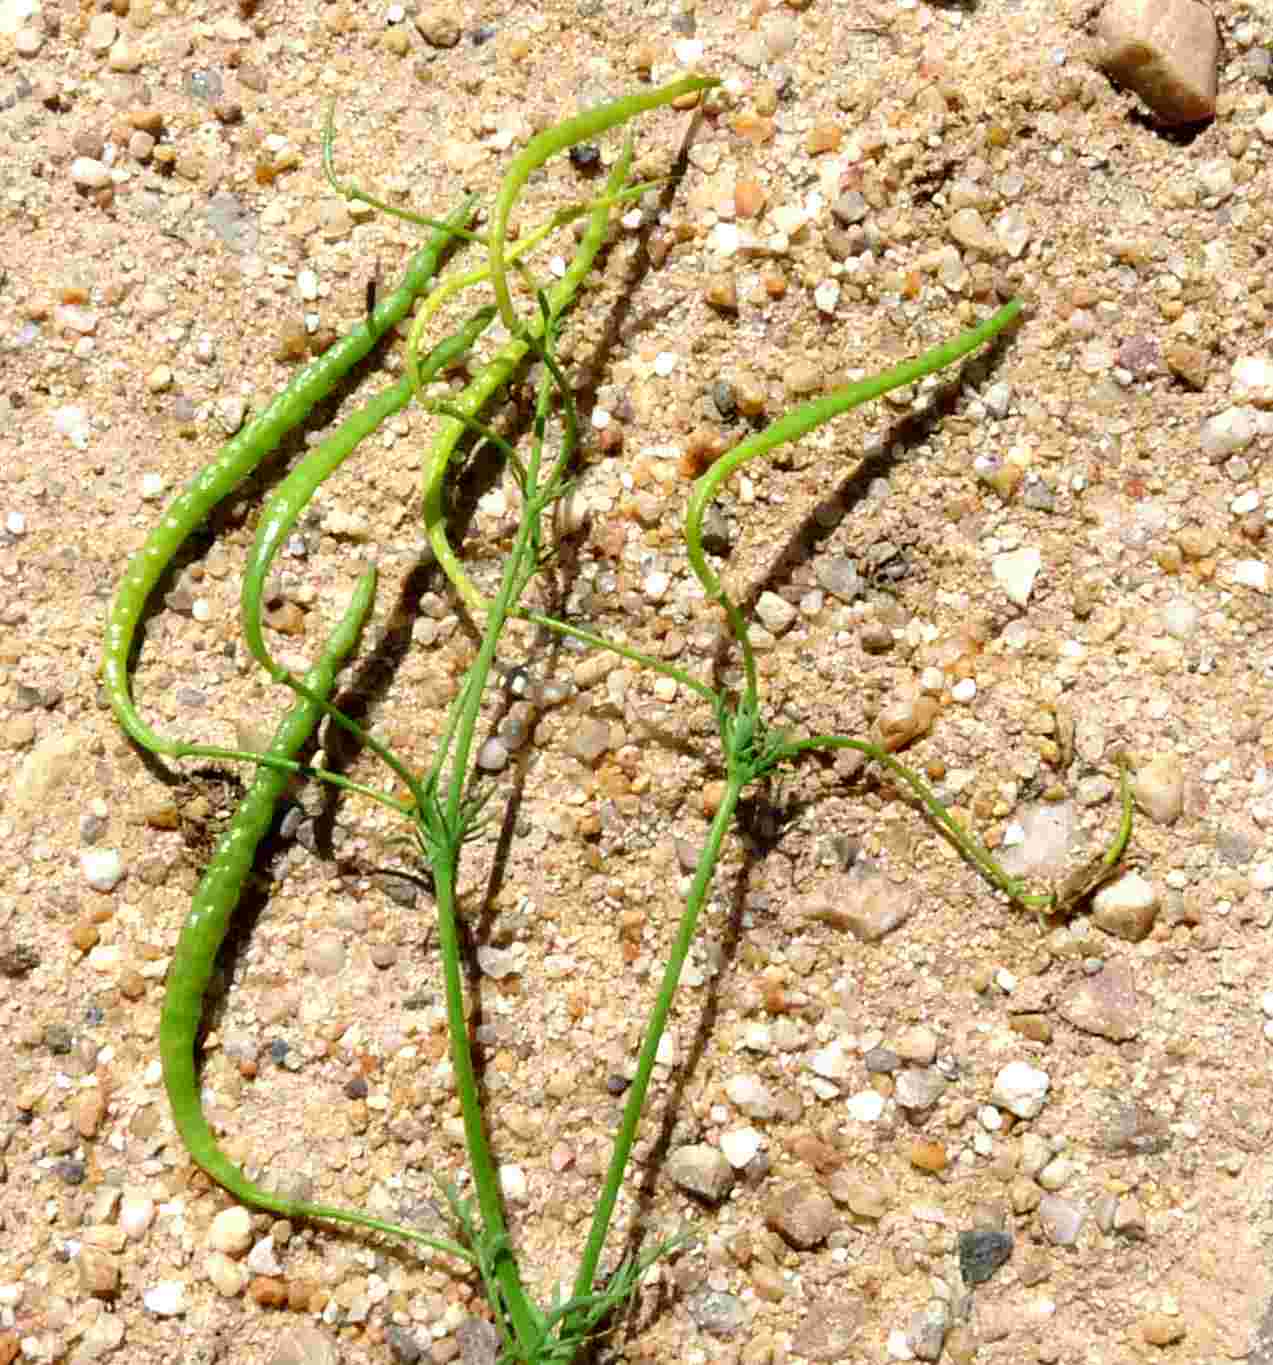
column 492, row 378
column 632, row 1109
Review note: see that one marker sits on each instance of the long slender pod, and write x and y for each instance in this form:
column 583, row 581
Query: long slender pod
column 591, row 123
column 289, row 499
column 497, row 373
column 205, row 928
column 238, row 458
column 794, row 425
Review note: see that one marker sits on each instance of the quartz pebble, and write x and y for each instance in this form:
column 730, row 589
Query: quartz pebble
column 89, row 174
column 1164, row 50
column 166, row 1299
column 739, row 1146
column 1021, row 1089
column 103, row 868
column 1015, row 573
column 1253, row 380
column 1159, row 788
column 136, row 1213
column 866, row 1106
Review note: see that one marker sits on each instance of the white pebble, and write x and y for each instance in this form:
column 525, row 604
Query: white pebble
column 688, row 51
column 933, row 681
column 1021, row 1089
column 826, row 296
column 90, row 174
column 1227, row 433
column 512, row 1182
column 964, row 690
column 263, row 1260
column 307, row 284
column 152, row 486
column 866, row 1106
column 1266, row 1003
column 231, row 1231
column 1006, row 980
column 1253, row 379
column 665, row 363
column 1244, row 503
column 656, row 586
column 1015, row 573
column 725, row 239
column 200, row 609
column 739, row 1145
column 167, row 1299
column 600, row 419
column 28, row 41
column 103, row 868
column 72, row 423
column 1252, row 573
column 136, row 1213
column 15, row 523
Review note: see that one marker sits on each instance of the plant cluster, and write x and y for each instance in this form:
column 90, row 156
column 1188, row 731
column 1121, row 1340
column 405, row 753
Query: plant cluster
column 444, row 805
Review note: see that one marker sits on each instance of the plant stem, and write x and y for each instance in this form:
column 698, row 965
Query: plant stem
column 654, row 1032
column 481, row 1162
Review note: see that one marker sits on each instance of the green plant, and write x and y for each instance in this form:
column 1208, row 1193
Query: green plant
column 445, row 804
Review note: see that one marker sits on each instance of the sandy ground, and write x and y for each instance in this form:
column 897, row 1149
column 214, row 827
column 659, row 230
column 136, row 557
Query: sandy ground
column 1062, row 545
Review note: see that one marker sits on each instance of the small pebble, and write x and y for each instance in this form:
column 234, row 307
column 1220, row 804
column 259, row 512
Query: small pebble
column 739, row 1146
column 103, row 868
column 231, row 1231
column 136, row 1213
column 493, row 756
column 227, row 1277
column 1228, row 433
column 703, row 1171
column 918, row 1088
column 512, row 1183
column 776, row 613
column 1126, row 907
column 1021, row 1089
column 1159, row 788
column 1015, row 573
column 1161, row 1329
column 167, row 1299
column 748, row 1094
column 866, row 1106
column 981, row 1252
column 89, row 174
column 802, row 1215
column 1061, row 1219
